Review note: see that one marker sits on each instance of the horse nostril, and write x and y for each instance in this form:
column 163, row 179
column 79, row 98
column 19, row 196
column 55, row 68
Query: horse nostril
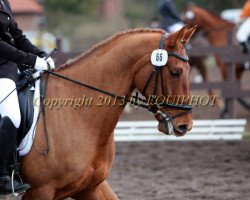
column 183, row 128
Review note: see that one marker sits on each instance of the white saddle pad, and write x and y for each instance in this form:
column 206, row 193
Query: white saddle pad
column 27, row 141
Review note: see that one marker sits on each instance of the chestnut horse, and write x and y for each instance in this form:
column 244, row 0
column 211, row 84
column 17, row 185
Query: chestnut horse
column 81, row 140
column 216, row 30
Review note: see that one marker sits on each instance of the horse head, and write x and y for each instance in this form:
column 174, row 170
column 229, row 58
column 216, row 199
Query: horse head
column 189, row 15
column 205, row 19
column 166, row 83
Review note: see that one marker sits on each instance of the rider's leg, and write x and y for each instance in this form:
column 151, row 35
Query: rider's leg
column 9, row 123
column 242, row 36
column 246, row 46
column 246, row 49
column 10, row 106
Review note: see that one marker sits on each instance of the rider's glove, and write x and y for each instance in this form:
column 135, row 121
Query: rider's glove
column 41, row 64
column 36, row 74
column 51, row 63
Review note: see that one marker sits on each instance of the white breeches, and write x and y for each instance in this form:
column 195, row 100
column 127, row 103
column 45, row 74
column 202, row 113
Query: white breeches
column 244, row 31
column 10, row 106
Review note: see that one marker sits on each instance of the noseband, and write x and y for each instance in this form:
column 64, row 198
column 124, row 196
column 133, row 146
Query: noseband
column 154, row 108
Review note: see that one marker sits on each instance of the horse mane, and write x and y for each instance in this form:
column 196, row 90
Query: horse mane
column 215, row 15
column 104, row 42
column 211, row 12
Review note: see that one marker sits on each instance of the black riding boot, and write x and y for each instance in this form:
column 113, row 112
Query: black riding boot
column 246, row 46
column 8, row 136
column 246, row 49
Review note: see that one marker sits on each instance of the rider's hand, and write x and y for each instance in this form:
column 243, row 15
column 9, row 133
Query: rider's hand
column 36, row 74
column 41, row 64
column 51, row 63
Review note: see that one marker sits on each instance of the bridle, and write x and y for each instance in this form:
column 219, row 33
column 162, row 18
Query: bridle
column 154, row 108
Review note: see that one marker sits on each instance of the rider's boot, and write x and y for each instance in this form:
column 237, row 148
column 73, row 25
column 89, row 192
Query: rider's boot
column 246, row 49
column 8, row 136
column 245, row 46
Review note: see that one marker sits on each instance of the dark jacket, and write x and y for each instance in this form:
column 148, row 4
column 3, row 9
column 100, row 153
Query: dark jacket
column 15, row 49
column 169, row 13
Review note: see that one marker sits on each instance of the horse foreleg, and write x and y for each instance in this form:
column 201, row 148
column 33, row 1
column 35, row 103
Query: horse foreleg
column 101, row 192
column 201, row 67
column 44, row 193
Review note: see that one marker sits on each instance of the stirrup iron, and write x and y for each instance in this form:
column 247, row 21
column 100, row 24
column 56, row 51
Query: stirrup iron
column 13, row 174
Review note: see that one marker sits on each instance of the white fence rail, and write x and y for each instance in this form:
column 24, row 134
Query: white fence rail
column 202, row 130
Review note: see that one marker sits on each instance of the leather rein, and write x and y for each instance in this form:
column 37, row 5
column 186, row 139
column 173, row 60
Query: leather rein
column 153, row 108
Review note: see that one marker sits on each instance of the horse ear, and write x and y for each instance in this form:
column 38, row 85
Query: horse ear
column 188, row 34
column 178, row 36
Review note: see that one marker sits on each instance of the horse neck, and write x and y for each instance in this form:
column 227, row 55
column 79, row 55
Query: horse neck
column 110, row 68
column 216, row 29
column 220, row 36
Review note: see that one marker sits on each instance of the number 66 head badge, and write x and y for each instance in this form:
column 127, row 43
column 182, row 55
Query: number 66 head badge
column 159, row 57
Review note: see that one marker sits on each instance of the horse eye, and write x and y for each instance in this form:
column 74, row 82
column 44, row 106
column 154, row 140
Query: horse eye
column 175, row 73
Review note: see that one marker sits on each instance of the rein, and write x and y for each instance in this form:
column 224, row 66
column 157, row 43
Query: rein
column 126, row 99
column 153, row 108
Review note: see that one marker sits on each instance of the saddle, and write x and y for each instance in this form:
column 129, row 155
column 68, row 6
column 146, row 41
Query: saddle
column 25, row 90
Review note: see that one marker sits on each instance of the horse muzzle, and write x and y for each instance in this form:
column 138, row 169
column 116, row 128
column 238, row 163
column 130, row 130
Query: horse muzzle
column 167, row 126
